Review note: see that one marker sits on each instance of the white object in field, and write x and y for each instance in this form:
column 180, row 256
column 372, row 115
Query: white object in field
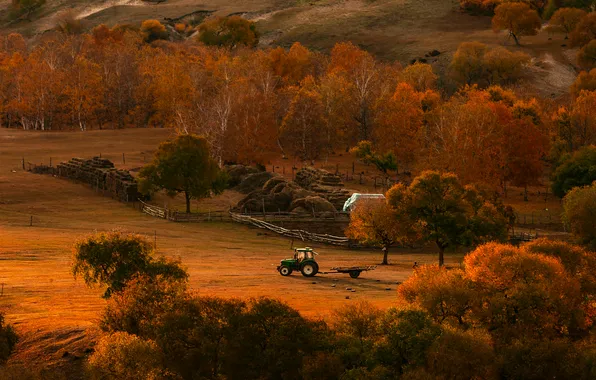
column 351, row 202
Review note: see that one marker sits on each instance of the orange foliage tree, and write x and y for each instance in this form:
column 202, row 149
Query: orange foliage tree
column 518, row 19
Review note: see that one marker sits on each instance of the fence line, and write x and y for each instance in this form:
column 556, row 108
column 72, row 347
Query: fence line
column 296, row 234
column 180, row 217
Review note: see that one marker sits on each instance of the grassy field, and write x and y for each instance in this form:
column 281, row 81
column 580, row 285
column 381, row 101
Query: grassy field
column 54, row 313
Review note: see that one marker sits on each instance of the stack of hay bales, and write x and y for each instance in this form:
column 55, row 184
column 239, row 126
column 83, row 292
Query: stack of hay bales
column 101, row 174
column 324, row 184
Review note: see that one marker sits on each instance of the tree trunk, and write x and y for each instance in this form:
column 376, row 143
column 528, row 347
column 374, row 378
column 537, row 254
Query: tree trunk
column 514, row 38
column 441, row 255
column 385, row 254
column 187, row 196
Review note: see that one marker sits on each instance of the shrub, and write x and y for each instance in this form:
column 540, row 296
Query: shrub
column 124, row 356
column 585, row 81
column 153, row 30
column 586, row 57
column 8, row 340
column 229, row 32
column 585, row 30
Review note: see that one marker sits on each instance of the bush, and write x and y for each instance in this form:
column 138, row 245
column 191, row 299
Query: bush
column 586, row 57
column 585, row 81
column 475, row 63
column 229, row 32
column 8, row 340
column 153, row 30
column 585, row 30
column 124, row 356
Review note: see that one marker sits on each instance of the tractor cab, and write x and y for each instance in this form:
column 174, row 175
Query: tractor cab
column 303, row 261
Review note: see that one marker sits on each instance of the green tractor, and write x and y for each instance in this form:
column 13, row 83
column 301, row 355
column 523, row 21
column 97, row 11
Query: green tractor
column 303, row 261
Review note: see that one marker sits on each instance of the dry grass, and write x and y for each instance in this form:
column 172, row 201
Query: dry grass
column 55, row 313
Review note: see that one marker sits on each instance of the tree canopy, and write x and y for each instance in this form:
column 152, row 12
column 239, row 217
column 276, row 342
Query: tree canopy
column 447, row 213
column 114, row 258
column 183, row 165
column 518, row 19
column 579, row 213
column 578, row 169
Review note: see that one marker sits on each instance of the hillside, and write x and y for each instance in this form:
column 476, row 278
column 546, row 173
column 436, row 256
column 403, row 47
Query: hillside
column 391, row 29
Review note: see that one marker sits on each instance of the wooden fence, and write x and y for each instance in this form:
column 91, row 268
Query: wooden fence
column 296, row 234
column 181, row 217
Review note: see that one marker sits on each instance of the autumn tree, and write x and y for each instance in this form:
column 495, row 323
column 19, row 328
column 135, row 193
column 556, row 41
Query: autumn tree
column 183, row 165
column 399, row 120
column 517, row 18
column 446, row 213
column 585, row 81
column 565, row 20
column 467, row 63
column 303, row 127
column 374, row 222
column 585, row 30
column 112, row 259
column 578, row 169
column 420, row 76
column 230, row 32
column 579, row 213
column 586, row 57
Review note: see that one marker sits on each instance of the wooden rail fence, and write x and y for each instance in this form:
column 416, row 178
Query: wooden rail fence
column 181, row 217
column 296, row 234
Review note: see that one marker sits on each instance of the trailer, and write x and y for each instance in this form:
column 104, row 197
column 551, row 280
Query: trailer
column 354, row 272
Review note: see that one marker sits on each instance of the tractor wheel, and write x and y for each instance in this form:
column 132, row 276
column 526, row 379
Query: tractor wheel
column 309, row 269
column 354, row 273
column 285, row 271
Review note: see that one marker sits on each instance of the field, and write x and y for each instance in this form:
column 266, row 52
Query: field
column 55, row 313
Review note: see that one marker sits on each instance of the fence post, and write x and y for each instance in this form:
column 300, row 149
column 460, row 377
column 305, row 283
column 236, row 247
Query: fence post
column 50, row 161
column 353, row 167
column 23, row 163
column 123, row 159
column 31, row 221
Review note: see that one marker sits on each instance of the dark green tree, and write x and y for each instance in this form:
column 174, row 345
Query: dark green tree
column 114, row 258
column 447, row 213
column 384, row 162
column 576, row 170
column 183, row 165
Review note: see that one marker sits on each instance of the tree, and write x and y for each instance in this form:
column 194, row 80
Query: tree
column 8, row 340
column 566, row 19
column 383, row 162
column 153, row 30
column 303, row 127
column 420, row 76
column 517, row 18
column 398, row 124
column 446, row 213
column 112, row 259
column 585, row 81
column 467, row 63
column 579, row 213
column 229, row 32
column 183, row 165
column 577, row 170
column 585, row 30
column 124, row 356
column 586, row 57
column 24, row 8
column 374, row 222
column 503, row 66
